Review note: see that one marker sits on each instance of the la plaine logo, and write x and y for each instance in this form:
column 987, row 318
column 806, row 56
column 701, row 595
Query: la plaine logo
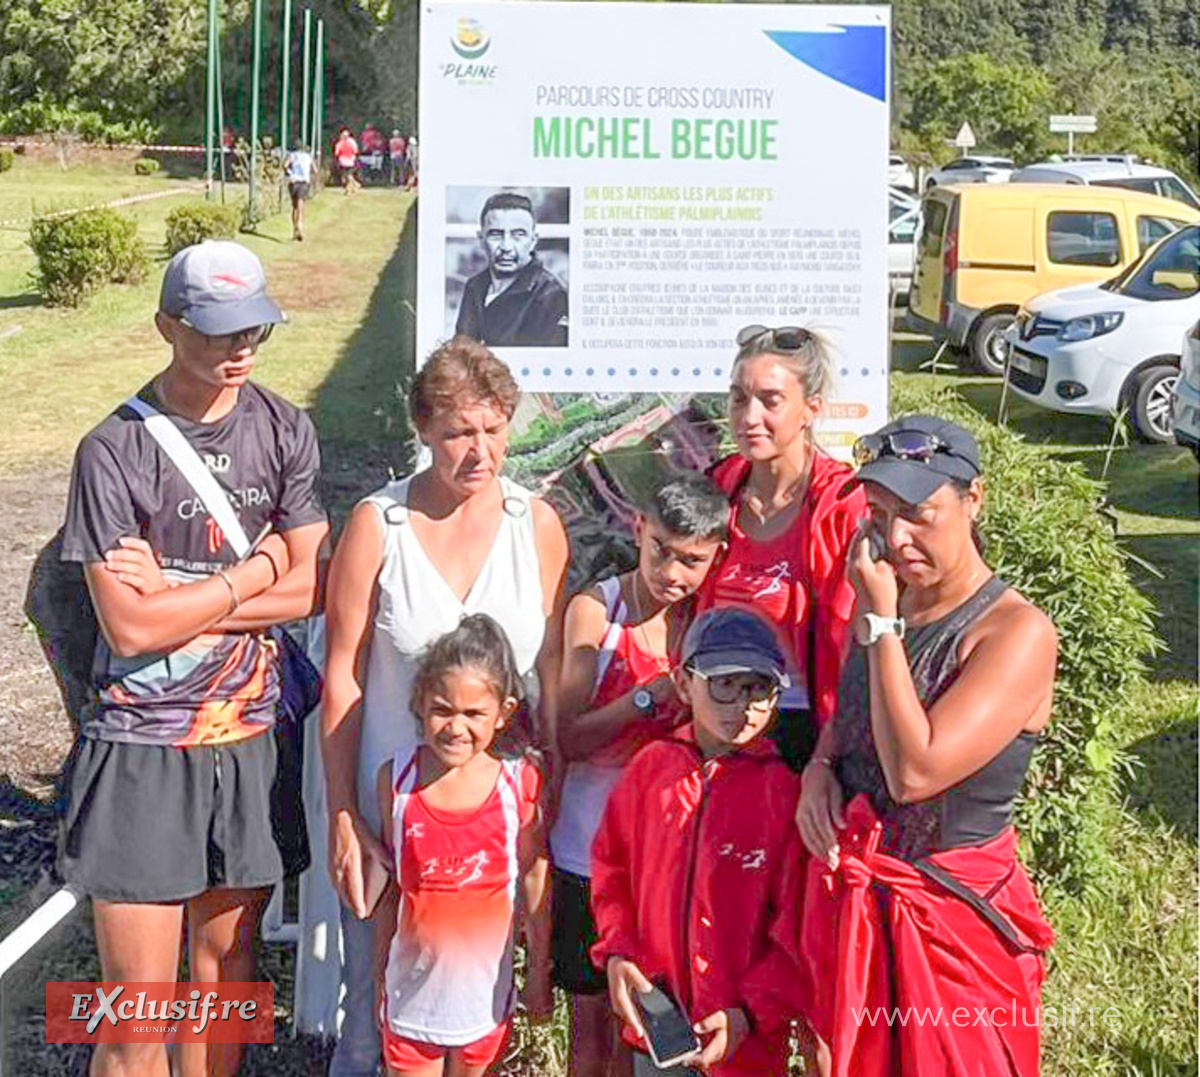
column 470, row 41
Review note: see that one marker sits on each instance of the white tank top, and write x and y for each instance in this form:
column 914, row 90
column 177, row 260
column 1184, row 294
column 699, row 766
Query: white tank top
column 416, row 605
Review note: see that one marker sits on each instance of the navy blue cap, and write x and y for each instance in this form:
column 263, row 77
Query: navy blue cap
column 733, row 640
column 916, row 480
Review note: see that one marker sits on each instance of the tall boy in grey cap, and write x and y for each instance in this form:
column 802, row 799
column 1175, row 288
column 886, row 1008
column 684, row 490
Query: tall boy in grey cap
column 171, row 806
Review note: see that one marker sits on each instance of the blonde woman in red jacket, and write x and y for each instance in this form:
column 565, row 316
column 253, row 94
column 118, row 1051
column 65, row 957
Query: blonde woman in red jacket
column 791, row 520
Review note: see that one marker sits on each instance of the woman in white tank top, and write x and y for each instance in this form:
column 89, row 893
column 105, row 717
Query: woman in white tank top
column 416, row 556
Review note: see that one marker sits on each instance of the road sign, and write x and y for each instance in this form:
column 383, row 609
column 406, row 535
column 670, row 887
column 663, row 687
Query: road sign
column 965, row 139
column 1082, row 125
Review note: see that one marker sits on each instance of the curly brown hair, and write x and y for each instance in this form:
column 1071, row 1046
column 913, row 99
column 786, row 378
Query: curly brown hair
column 461, row 370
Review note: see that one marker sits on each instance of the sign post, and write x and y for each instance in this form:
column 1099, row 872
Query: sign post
column 1071, row 124
column 965, row 139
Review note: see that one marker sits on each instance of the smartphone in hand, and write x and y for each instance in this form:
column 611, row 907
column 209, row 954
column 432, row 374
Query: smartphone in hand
column 877, row 544
column 669, row 1034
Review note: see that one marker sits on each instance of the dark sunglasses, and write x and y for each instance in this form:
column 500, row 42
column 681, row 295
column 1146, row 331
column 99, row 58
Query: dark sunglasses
column 787, row 338
column 727, row 688
column 252, row 337
column 903, row 444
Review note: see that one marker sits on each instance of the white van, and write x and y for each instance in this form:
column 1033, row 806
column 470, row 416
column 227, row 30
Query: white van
column 1112, row 172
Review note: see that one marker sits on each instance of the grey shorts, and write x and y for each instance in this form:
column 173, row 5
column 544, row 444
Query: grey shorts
column 156, row 823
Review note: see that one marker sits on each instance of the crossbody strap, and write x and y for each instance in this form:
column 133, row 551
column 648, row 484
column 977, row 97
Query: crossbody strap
column 184, row 456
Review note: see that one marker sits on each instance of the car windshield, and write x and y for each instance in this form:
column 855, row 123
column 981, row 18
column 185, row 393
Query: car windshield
column 1169, row 271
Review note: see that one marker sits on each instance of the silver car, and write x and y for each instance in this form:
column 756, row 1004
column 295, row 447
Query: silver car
column 977, row 168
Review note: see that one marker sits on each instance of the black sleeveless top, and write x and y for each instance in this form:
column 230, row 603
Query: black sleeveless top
column 976, row 809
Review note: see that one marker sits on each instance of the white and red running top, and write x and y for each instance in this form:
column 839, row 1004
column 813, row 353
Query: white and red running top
column 449, row 977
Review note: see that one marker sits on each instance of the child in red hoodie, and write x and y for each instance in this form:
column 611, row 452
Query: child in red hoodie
column 697, row 863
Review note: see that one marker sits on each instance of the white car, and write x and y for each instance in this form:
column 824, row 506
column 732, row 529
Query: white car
column 900, row 173
column 1094, row 349
column 1109, row 173
column 904, row 217
column 1187, row 393
column 974, row 169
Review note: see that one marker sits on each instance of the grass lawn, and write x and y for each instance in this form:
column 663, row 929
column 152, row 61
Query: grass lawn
column 1131, row 946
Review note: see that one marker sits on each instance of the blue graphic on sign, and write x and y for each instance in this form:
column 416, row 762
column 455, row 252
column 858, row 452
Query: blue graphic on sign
column 855, row 56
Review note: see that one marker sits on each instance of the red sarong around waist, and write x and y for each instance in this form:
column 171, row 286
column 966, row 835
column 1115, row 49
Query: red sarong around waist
column 906, row 976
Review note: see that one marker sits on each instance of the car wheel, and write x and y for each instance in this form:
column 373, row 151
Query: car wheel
column 988, row 349
column 1151, row 397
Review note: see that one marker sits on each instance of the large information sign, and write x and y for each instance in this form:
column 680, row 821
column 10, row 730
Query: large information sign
column 610, row 191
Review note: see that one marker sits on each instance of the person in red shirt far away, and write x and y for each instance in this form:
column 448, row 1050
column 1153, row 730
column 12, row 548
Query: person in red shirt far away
column 696, row 867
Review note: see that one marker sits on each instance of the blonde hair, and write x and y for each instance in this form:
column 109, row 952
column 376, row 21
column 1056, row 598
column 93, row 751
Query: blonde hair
column 811, row 363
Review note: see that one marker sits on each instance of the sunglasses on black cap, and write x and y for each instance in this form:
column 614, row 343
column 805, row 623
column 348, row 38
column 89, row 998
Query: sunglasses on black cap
column 787, row 338
column 902, row 444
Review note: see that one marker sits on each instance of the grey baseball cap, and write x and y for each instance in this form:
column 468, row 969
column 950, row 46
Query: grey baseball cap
column 730, row 639
column 216, row 287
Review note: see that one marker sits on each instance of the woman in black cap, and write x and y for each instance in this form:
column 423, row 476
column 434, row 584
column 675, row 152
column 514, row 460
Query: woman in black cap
column 914, row 896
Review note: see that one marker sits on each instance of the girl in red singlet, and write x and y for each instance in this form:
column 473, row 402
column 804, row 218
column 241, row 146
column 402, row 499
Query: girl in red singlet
column 464, row 829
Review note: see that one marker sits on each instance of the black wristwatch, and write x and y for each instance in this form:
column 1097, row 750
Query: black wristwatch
column 643, row 702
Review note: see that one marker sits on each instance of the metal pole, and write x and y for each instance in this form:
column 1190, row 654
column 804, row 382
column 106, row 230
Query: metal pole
column 285, row 81
column 220, row 110
column 1070, row 143
column 318, row 105
column 307, row 78
column 210, row 100
column 255, row 74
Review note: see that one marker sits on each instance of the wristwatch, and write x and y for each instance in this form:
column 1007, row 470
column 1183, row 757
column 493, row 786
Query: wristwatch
column 643, row 702
column 870, row 627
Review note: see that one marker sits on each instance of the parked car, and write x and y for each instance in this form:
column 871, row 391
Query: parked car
column 900, row 173
column 1186, row 405
column 1108, row 173
column 983, row 250
column 904, row 218
column 974, row 169
column 1096, row 348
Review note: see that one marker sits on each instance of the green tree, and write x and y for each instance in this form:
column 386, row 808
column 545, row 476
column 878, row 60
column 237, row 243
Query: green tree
column 1007, row 104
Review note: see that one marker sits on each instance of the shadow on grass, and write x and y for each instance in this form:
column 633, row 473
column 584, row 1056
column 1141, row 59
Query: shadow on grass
column 1174, row 594
column 359, row 410
column 1146, row 1062
column 18, row 302
column 1166, row 782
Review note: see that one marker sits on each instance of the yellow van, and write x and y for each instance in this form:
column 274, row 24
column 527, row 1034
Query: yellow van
column 986, row 248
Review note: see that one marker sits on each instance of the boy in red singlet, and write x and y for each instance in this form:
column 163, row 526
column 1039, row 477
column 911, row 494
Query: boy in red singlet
column 615, row 695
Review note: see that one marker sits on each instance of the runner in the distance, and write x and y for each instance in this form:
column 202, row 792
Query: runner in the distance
column 298, row 167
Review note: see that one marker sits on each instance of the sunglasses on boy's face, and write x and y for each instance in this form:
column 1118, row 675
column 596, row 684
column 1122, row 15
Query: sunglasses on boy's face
column 248, row 338
column 754, row 689
column 904, row 445
column 787, row 338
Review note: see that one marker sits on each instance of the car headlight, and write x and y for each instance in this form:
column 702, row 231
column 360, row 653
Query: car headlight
column 1090, row 325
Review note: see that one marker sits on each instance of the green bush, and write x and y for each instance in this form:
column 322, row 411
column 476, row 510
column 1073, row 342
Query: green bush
column 1046, row 538
column 145, row 166
column 78, row 253
column 6, row 158
column 195, row 222
column 38, row 116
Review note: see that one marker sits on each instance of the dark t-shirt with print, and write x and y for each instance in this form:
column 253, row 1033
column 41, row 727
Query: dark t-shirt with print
column 218, row 687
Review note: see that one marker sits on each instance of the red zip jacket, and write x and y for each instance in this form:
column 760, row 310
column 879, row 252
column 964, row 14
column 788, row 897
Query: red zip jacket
column 822, row 533
column 696, row 876
column 921, row 981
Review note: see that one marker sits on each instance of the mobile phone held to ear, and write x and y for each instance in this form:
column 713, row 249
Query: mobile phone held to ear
column 669, row 1034
column 877, row 544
